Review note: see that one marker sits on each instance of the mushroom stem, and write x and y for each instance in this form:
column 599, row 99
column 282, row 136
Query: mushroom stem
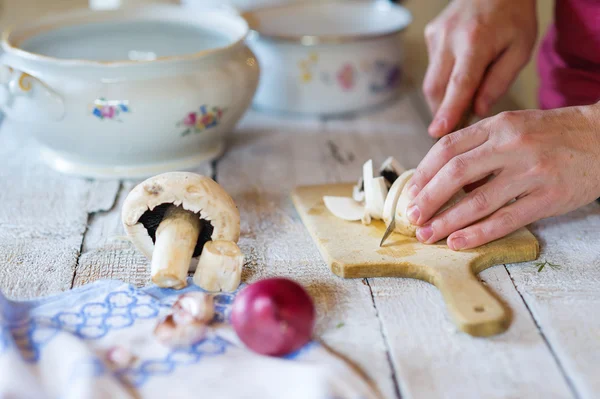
column 176, row 238
column 219, row 267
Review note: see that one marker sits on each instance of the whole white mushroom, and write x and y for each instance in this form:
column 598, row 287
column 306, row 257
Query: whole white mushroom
column 170, row 217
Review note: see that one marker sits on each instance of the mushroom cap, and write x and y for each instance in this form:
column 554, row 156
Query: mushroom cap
column 195, row 193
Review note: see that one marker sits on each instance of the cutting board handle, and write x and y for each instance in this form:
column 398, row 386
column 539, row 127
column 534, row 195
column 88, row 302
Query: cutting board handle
column 473, row 307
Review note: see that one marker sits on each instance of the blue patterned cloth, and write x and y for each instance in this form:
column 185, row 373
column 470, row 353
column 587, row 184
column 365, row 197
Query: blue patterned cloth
column 56, row 347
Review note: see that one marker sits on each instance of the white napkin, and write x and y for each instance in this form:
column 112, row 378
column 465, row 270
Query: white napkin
column 56, row 347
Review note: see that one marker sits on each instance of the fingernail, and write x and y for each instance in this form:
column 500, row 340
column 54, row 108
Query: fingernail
column 458, row 243
column 413, row 191
column 424, row 233
column 413, row 214
column 438, row 126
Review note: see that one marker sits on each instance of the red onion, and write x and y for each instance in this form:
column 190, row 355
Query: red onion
column 273, row 317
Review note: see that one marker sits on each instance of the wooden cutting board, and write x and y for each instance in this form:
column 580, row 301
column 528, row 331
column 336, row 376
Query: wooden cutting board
column 352, row 250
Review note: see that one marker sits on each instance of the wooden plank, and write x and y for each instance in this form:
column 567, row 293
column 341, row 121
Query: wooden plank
column 424, row 342
column 106, row 252
column 260, row 176
column 42, row 219
column 431, row 359
column 565, row 302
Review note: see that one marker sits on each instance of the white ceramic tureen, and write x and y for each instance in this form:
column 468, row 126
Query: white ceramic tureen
column 330, row 57
column 128, row 93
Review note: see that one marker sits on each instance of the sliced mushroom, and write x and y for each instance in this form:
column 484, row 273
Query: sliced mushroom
column 358, row 191
column 368, row 195
column 390, row 170
column 220, row 267
column 398, row 201
column 393, row 197
column 344, row 208
column 380, row 191
column 375, row 193
column 171, row 216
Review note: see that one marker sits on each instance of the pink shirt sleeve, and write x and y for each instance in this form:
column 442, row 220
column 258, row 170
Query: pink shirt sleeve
column 569, row 58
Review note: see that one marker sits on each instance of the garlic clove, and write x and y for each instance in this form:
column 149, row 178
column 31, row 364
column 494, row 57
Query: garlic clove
column 194, row 307
column 120, row 357
column 344, row 208
column 177, row 335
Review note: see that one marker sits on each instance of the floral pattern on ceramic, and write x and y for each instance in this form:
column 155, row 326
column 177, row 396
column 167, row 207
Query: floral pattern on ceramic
column 307, row 66
column 387, row 77
column 346, row 76
column 201, row 120
column 380, row 75
column 107, row 109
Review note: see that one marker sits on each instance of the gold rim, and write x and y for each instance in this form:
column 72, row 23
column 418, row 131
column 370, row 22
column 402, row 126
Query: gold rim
column 77, row 18
column 313, row 40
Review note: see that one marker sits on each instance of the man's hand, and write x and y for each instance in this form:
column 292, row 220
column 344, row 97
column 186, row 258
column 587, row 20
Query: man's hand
column 549, row 161
column 476, row 49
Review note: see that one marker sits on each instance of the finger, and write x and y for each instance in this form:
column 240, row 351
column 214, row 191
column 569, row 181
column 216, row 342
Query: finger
column 437, row 76
column 464, row 80
column 477, row 205
column 499, row 77
column 432, row 37
column 443, row 151
column 503, row 222
column 460, row 171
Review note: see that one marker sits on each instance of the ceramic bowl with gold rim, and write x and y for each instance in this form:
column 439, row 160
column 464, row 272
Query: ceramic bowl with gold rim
column 128, row 93
column 327, row 58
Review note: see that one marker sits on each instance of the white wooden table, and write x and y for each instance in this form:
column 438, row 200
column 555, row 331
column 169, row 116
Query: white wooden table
column 58, row 232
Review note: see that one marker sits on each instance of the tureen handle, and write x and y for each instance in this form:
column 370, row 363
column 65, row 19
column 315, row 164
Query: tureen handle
column 36, row 96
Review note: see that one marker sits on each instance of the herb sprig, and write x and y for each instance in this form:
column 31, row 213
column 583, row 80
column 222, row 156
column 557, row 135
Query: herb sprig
column 541, row 265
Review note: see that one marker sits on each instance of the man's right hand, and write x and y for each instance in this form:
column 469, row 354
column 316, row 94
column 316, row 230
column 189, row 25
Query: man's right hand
column 476, row 49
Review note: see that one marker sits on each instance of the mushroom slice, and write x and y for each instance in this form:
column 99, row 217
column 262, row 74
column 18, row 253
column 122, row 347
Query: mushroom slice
column 375, row 193
column 393, row 197
column 390, row 170
column 219, row 267
column 368, row 180
column 358, row 191
column 403, row 225
column 344, row 208
column 379, row 193
column 171, row 216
